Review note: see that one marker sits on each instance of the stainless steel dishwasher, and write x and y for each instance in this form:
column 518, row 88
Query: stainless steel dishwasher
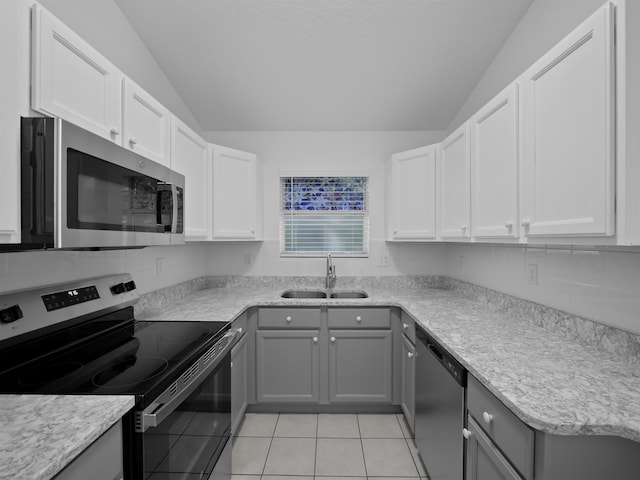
column 440, row 406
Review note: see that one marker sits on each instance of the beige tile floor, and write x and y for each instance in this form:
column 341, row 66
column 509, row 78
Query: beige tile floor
column 325, row 447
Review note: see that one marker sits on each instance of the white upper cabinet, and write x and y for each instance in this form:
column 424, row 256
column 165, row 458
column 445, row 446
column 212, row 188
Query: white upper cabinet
column 145, row 124
column 189, row 156
column 567, row 135
column 494, row 167
column 237, row 207
column 411, row 195
column 454, row 167
column 73, row 81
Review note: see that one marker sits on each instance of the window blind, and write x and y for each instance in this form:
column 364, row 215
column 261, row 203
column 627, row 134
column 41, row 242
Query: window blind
column 324, row 215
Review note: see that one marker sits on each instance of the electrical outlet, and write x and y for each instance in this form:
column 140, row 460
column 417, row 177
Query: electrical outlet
column 532, row 274
column 248, row 258
column 159, row 266
column 384, row 260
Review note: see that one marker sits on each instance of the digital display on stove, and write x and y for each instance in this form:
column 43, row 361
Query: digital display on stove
column 66, row 298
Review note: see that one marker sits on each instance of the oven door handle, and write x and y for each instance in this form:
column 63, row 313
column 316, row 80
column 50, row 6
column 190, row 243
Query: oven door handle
column 167, row 401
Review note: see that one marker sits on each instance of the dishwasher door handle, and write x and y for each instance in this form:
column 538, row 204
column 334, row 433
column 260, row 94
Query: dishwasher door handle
column 436, row 351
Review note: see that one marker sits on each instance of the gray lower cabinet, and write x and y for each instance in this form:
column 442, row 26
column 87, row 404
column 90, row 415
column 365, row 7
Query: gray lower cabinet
column 408, row 390
column 287, row 366
column 484, row 460
column 102, row 460
column 239, row 382
column 360, row 366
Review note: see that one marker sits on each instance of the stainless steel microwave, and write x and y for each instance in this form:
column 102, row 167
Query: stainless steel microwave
column 79, row 190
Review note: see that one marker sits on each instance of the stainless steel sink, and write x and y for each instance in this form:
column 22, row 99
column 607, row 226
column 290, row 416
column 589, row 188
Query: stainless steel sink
column 348, row 294
column 303, row 294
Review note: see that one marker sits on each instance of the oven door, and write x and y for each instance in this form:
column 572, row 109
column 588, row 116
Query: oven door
column 191, row 436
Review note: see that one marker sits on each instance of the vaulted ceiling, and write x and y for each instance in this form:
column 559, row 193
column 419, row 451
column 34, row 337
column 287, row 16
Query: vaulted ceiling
column 324, row 64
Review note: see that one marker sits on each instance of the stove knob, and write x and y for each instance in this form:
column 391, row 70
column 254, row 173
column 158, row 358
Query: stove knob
column 11, row 314
column 117, row 289
column 131, row 285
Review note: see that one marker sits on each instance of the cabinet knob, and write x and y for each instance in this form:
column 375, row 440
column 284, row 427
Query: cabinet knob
column 409, row 354
column 315, row 339
column 508, row 224
column 405, row 326
column 463, row 227
column 358, row 319
column 487, row 417
column 525, row 222
column 395, row 232
column 115, row 131
column 333, row 339
column 133, row 140
column 466, row 433
column 239, row 330
column 288, row 319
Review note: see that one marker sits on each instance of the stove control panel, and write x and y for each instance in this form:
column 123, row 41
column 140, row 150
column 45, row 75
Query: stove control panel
column 54, row 301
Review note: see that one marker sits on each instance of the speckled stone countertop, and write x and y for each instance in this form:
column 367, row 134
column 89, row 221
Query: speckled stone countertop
column 41, row 434
column 548, row 379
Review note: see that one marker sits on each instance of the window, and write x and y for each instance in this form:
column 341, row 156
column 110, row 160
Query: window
column 320, row 215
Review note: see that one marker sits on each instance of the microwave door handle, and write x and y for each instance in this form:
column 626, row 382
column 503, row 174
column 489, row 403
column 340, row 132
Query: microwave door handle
column 161, row 194
column 174, row 208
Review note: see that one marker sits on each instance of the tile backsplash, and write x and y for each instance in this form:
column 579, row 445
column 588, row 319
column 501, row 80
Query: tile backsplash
column 601, row 284
column 152, row 267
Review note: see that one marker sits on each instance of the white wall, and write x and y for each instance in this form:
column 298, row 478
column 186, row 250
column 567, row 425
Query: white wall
column 331, row 151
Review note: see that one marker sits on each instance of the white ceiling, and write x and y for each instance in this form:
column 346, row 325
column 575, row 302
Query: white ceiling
column 324, row 64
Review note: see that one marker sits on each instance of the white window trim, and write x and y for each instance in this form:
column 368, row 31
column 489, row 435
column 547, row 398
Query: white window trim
column 323, row 173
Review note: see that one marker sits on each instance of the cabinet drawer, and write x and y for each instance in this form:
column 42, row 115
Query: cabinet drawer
column 408, row 327
column 359, row 318
column 508, row 432
column 289, row 318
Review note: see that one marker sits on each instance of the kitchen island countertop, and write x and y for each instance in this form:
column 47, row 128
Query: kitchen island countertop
column 550, row 381
column 41, row 434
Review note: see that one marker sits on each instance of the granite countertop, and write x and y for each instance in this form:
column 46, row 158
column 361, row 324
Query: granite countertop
column 41, row 434
column 550, row 381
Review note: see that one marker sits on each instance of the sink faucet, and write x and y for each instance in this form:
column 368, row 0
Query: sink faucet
column 330, row 279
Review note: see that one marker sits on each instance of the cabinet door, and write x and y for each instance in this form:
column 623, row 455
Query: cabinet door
column 236, row 191
column 494, row 167
column 287, row 366
column 484, row 460
column 408, row 391
column 455, row 185
column 73, row 81
column 567, row 135
column 239, row 377
column 360, row 366
column 146, row 124
column 411, row 195
column 189, row 157
column 102, row 460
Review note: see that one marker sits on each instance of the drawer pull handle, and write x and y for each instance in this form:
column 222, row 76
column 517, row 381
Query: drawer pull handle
column 466, row 433
column 333, row 339
column 358, row 319
column 315, row 339
column 487, row 417
column 288, row 319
